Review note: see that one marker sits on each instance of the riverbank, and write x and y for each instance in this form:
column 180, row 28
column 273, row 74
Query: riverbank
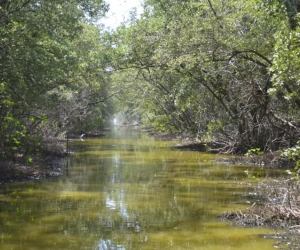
column 276, row 205
column 50, row 162
column 41, row 167
column 186, row 142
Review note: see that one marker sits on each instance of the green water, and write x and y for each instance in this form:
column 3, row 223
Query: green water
column 128, row 191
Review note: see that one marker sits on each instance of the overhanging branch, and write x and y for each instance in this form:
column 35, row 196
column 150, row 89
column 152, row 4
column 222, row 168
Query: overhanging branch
column 245, row 55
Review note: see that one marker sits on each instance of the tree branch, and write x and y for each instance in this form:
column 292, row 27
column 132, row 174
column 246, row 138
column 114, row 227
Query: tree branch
column 245, row 56
column 214, row 12
column 19, row 8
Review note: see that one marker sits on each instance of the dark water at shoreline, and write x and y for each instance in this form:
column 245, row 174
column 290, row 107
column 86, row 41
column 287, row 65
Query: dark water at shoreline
column 128, row 191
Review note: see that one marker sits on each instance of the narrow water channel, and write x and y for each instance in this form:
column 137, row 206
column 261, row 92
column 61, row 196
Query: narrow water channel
column 129, row 191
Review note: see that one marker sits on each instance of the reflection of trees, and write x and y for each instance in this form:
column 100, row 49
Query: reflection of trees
column 107, row 244
column 115, row 199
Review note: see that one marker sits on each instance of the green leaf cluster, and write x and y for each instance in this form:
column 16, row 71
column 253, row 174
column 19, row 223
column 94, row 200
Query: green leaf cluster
column 184, row 64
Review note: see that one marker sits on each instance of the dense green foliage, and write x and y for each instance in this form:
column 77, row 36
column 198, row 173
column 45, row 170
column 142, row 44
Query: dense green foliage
column 216, row 70
column 52, row 77
column 223, row 71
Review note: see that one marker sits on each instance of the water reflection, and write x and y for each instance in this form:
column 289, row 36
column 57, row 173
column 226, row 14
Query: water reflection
column 129, row 192
column 108, row 245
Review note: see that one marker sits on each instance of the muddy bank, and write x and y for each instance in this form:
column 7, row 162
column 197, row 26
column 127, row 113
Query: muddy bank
column 195, row 146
